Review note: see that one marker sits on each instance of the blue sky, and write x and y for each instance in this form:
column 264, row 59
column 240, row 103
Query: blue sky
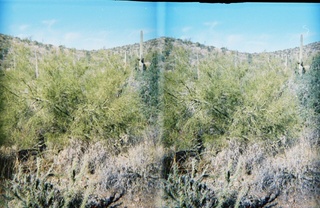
column 248, row 27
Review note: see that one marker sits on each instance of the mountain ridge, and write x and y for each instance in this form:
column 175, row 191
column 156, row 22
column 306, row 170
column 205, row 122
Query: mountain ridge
column 288, row 58
column 310, row 46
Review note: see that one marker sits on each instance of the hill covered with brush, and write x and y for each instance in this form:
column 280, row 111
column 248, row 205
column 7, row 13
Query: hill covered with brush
column 198, row 126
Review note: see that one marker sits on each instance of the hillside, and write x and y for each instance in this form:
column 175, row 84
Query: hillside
column 165, row 43
column 195, row 126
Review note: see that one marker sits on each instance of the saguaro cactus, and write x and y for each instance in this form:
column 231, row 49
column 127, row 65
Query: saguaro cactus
column 141, row 51
column 125, row 58
column 286, row 62
column 74, row 58
column 301, row 67
column 37, row 70
column 14, row 62
column 141, row 44
column 198, row 69
column 235, row 60
column 301, row 47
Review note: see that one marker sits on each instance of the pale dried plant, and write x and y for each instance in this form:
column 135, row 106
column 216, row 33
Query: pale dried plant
column 260, row 173
column 86, row 173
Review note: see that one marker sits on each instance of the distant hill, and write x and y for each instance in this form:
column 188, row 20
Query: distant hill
column 163, row 45
column 160, row 44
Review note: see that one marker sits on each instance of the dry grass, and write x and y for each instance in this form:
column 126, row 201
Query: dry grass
column 240, row 175
column 7, row 161
column 85, row 174
column 252, row 174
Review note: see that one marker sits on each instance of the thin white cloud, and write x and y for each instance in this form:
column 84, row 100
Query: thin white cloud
column 240, row 42
column 209, row 35
column 257, row 43
column 136, row 32
column 95, row 40
column 23, row 36
column 186, row 29
column 255, row 46
column 93, row 43
column 296, row 36
column 183, row 37
column 23, row 27
column 264, row 37
column 49, row 23
column 234, row 39
column 306, row 29
column 252, row 43
column 211, row 25
column 71, row 36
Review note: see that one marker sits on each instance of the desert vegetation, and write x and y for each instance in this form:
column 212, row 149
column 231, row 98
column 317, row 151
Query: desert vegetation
column 199, row 127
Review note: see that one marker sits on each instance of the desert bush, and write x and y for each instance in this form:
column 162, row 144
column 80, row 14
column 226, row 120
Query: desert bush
column 308, row 88
column 35, row 189
column 177, row 92
column 86, row 174
column 32, row 190
column 7, row 162
column 257, row 175
column 247, row 101
column 268, row 109
column 68, row 99
column 188, row 190
column 150, row 89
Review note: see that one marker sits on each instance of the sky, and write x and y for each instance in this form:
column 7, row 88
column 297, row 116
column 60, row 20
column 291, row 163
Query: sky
column 94, row 24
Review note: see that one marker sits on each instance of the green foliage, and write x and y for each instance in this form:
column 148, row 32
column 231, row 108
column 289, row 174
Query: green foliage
column 4, row 49
column 36, row 188
column 176, row 96
column 13, row 88
column 314, row 85
column 150, row 89
column 27, row 190
column 246, row 102
column 188, row 190
column 168, row 47
column 92, row 95
column 268, row 109
column 68, row 100
column 309, row 92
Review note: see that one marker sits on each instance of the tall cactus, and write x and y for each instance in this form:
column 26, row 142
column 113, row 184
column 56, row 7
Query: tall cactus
column 141, row 51
column 286, row 62
column 301, row 47
column 14, row 62
column 235, row 60
column 141, row 44
column 74, row 58
column 198, row 69
column 37, row 70
column 301, row 67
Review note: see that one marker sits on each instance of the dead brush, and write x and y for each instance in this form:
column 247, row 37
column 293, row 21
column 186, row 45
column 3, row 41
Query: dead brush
column 7, row 162
column 188, row 190
column 254, row 175
column 86, row 174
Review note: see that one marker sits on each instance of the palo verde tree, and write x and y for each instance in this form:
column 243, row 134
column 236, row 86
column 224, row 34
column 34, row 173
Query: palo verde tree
column 69, row 100
column 248, row 102
column 178, row 90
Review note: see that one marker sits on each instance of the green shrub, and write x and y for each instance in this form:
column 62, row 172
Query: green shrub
column 308, row 90
column 150, row 89
column 67, row 100
column 247, row 101
column 188, row 190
